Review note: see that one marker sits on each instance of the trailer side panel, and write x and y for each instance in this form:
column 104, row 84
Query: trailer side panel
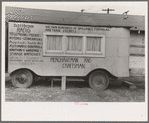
column 60, row 50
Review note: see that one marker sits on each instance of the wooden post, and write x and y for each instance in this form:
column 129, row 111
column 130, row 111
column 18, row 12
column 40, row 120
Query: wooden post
column 63, row 85
column 51, row 84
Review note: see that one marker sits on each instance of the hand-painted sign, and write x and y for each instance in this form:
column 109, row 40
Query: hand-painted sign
column 73, row 29
column 31, row 45
column 26, row 39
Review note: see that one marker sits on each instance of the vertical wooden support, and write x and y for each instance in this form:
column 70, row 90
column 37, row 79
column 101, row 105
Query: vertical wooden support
column 63, row 85
column 51, row 84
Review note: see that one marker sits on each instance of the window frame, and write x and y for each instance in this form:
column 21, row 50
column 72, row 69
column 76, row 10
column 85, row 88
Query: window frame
column 47, row 52
column 73, row 52
column 102, row 52
column 65, row 52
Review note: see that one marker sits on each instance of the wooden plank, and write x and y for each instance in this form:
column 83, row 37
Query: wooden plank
column 70, row 79
column 137, row 39
column 75, row 79
column 51, row 84
column 128, row 82
column 137, row 54
column 136, row 62
column 138, row 46
column 6, row 47
column 63, row 86
column 134, row 50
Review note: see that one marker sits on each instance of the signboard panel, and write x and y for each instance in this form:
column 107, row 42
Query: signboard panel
column 27, row 45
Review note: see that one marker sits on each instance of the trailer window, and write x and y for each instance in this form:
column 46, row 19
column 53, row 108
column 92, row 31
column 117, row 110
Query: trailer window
column 64, row 44
column 93, row 44
column 74, row 44
column 54, row 42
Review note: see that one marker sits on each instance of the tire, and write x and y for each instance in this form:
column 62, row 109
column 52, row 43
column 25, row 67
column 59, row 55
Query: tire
column 98, row 80
column 22, row 79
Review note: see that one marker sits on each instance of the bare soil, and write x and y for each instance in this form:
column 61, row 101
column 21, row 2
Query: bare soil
column 41, row 91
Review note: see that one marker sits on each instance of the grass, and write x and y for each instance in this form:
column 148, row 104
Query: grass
column 41, row 91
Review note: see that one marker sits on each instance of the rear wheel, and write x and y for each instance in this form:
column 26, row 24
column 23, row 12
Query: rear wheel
column 98, row 80
column 22, row 78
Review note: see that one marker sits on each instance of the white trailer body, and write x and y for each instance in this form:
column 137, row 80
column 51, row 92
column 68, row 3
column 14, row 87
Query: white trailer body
column 67, row 50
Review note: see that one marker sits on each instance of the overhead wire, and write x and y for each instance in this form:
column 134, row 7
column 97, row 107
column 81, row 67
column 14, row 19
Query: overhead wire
column 89, row 8
column 85, row 12
column 96, row 11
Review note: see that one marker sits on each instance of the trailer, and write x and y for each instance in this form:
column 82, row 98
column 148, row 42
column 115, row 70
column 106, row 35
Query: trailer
column 94, row 53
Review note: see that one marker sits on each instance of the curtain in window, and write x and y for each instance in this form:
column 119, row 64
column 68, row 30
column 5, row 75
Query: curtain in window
column 54, row 42
column 74, row 43
column 93, row 44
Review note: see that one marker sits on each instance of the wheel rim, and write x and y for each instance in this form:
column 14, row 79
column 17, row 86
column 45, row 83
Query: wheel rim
column 22, row 79
column 98, row 80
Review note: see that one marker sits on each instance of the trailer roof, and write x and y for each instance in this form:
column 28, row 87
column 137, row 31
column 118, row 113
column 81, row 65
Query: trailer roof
column 74, row 18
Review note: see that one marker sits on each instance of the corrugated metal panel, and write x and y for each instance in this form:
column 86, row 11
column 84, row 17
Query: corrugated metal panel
column 74, row 18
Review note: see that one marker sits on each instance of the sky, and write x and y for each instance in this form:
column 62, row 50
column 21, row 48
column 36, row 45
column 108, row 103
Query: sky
column 135, row 8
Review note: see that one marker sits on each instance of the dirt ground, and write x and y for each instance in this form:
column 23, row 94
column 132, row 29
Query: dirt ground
column 41, row 91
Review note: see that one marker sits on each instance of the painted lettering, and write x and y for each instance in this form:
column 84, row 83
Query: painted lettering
column 17, row 46
column 34, row 39
column 17, row 42
column 34, row 46
column 16, row 54
column 18, row 50
column 56, row 30
column 87, row 60
column 71, row 65
column 48, row 30
column 23, row 30
column 63, row 59
column 69, row 31
column 85, row 28
column 31, row 54
column 15, row 38
column 24, row 34
column 32, row 50
column 23, row 25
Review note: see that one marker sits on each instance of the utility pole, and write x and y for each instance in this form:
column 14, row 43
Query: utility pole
column 108, row 10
